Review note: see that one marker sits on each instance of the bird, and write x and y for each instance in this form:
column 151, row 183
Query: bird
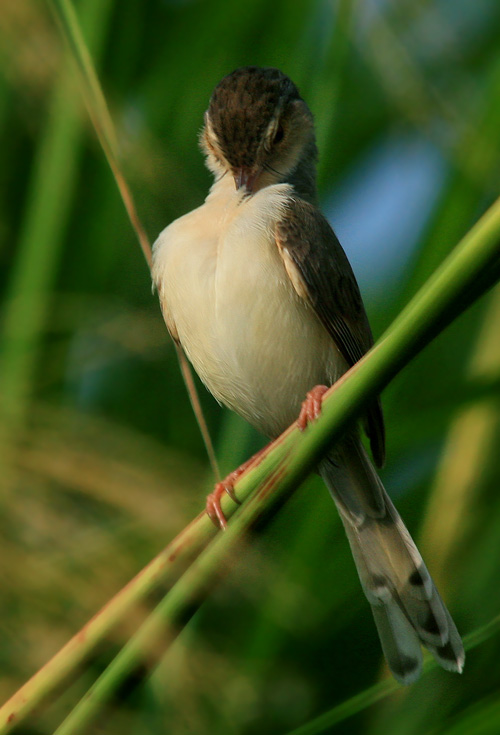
column 256, row 289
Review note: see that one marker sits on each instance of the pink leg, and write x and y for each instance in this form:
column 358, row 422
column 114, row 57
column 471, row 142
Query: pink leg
column 213, row 507
column 311, row 407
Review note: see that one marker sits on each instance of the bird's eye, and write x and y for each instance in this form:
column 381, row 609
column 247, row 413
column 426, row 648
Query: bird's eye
column 279, row 134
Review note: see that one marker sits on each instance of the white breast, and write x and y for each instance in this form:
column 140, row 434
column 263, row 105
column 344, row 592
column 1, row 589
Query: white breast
column 257, row 346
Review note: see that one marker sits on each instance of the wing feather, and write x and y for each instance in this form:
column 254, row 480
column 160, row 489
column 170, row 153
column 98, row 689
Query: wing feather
column 321, row 273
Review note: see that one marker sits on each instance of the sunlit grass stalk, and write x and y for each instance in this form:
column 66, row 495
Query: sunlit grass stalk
column 99, row 113
column 444, row 296
column 105, row 130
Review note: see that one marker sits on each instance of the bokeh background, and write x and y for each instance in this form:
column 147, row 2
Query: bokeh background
column 102, row 461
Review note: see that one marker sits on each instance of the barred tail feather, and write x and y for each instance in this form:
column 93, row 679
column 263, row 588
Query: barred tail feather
column 406, row 605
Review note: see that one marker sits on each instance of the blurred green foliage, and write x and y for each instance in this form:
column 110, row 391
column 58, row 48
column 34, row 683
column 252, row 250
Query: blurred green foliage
column 102, row 461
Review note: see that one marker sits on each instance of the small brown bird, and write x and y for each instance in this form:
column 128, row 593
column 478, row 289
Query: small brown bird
column 256, row 288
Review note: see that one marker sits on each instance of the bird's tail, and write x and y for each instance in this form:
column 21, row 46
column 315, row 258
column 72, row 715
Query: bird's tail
column 406, row 605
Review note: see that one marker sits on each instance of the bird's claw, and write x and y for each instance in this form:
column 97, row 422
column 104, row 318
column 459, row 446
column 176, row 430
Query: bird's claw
column 311, row 406
column 213, row 506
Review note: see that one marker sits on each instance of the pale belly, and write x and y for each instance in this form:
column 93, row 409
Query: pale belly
column 256, row 344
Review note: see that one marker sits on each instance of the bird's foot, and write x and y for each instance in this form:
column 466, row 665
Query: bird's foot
column 213, row 506
column 311, row 407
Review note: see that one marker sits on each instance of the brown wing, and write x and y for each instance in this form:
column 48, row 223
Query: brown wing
column 321, row 273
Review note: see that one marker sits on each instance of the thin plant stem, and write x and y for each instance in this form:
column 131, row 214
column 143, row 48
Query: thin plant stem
column 105, row 130
column 99, row 113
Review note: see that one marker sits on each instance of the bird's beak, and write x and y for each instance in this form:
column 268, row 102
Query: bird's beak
column 246, row 177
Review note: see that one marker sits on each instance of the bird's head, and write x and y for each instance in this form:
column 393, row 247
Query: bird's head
column 257, row 128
